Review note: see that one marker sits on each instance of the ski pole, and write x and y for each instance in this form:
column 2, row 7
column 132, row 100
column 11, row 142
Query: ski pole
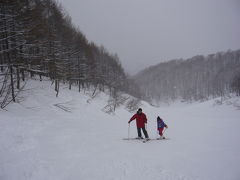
column 157, row 134
column 128, row 130
column 164, row 130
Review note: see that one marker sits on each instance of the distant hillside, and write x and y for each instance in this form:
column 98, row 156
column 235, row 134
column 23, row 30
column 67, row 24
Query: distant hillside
column 197, row 78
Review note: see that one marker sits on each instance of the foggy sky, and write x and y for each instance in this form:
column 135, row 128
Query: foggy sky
column 147, row 32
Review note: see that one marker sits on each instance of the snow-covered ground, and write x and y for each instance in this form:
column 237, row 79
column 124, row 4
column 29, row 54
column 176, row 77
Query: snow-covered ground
column 71, row 138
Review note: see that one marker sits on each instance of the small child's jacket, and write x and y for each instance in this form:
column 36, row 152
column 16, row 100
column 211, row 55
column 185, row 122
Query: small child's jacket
column 160, row 123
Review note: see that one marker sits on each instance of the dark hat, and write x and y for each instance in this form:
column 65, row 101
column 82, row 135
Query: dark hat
column 140, row 109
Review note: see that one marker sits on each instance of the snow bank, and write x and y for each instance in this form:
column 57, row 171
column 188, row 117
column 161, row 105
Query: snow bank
column 67, row 138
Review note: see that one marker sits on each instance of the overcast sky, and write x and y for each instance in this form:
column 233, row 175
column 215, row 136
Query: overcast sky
column 147, row 32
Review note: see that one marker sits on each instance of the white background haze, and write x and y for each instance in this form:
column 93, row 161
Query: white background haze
column 146, row 32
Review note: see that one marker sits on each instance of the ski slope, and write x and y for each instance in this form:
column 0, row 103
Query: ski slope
column 70, row 138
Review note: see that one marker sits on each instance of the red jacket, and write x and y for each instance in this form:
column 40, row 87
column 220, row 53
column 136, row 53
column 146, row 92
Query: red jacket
column 141, row 119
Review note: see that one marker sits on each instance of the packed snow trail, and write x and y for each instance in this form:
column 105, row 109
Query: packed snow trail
column 42, row 141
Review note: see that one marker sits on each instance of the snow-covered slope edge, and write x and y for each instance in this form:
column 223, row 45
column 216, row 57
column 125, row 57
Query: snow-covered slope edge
column 70, row 137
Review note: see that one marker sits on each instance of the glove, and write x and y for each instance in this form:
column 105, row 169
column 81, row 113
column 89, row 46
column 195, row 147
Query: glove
column 129, row 122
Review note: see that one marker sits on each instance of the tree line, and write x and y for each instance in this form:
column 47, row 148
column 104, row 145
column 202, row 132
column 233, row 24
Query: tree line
column 195, row 79
column 37, row 37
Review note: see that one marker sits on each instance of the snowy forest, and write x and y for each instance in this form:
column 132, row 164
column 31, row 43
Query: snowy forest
column 69, row 110
column 37, row 38
column 196, row 79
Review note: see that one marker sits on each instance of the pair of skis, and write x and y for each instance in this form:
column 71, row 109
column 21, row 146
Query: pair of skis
column 145, row 140
column 157, row 139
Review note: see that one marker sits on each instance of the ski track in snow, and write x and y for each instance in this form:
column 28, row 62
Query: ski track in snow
column 41, row 141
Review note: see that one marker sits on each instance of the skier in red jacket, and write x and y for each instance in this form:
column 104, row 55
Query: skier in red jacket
column 141, row 119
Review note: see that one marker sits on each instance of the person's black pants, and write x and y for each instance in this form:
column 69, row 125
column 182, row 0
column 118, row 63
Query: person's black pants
column 144, row 132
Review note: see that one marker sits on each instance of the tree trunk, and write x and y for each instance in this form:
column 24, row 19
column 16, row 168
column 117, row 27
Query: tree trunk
column 70, row 85
column 23, row 75
column 12, row 83
column 18, row 78
column 57, row 87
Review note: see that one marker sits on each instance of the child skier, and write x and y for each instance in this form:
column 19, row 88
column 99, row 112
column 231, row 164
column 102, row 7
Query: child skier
column 160, row 126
